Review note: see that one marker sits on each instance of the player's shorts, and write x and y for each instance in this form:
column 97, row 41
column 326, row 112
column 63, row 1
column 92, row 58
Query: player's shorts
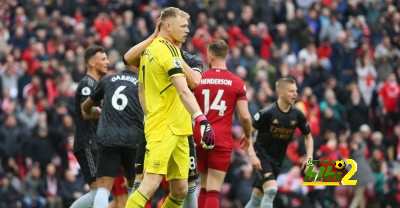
column 117, row 188
column 87, row 159
column 168, row 156
column 112, row 158
column 270, row 169
column 193, row 172
column 218, row 158
column 140, row 152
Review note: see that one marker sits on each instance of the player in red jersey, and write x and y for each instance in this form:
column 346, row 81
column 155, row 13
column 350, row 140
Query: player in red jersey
column 218, row 94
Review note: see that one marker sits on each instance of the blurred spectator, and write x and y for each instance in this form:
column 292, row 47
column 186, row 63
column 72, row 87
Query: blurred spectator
column 51, row 186
column 364, row 175
column 290, row 184
column 366, row 74
column 251, row 58
column 389, row 95
column 29, row 116
column 393, row 144
column 41, row 149
column 10, row 138
column 267, row 41
column 309, row 106
column 329, row 123
column 331, row 102
column 287, row 55
column 392, row 197
column 331, row 30
column 103, row 25
column 9, row 196
column 71, row 188
column 33, row 194
column 377, row 143
column 379, row 169
column 236, row 60
column 121, row 37
column 356, row 110
column 308, row 54
column 10, row 73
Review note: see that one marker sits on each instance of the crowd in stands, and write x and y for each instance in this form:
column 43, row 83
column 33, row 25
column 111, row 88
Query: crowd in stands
column 344, row 55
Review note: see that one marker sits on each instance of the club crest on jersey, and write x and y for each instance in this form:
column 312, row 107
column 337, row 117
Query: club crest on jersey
column 256, row 116
column 177, row 63
column 293, row 123
column 275, row 121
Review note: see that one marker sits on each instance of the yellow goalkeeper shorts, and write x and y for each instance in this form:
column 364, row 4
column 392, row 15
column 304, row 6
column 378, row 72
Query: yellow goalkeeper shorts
column 168, row 156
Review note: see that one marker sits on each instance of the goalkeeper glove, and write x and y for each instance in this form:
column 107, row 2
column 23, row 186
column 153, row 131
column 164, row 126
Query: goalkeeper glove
column 192, row 61
column 206, row 132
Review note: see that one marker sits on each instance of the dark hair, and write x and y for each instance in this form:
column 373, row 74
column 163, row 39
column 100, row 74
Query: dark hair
column 218, row 48
column 91, row 51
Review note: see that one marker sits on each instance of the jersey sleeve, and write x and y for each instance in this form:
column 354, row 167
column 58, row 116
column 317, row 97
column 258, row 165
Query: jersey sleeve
column 259, row 119
column 85, row 91
column 98, row 92
column 173, row 62
column 302, row 123
column 241, row 95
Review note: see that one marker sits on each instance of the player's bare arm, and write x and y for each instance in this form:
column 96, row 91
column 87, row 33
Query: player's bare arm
column 132, row 56
column 255, row 162
column 245, row 121
column 309, row 148
column 186, row 96
column 89, row 111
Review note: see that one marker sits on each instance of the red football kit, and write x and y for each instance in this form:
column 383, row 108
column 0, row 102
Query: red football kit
column 217, row 94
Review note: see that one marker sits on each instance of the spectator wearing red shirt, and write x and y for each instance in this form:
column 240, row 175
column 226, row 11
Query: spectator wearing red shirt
column 103, row 25
column 389, row 95
column 267, row 41
column 201, row 39
column 310, row 108
column 237, row 38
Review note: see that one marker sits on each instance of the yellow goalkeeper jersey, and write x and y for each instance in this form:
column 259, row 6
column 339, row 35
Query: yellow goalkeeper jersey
column 158, row 64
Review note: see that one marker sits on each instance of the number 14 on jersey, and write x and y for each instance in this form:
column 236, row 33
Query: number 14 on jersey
column 217, row 103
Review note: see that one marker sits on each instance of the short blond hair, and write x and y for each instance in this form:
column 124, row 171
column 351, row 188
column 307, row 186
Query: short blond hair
column 173, row 12
column 282, row 82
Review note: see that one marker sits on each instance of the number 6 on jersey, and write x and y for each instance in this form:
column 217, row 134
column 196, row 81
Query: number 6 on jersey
column 118, row 96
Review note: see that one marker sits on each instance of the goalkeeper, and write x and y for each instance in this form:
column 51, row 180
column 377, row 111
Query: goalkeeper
column 169, row 106
column 193, row 77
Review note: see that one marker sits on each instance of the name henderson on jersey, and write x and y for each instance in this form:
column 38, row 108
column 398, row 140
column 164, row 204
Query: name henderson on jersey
column 126, row 78
column 217, row 81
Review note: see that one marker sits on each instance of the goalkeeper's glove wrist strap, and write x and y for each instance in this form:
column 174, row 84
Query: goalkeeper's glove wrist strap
column 201, row 118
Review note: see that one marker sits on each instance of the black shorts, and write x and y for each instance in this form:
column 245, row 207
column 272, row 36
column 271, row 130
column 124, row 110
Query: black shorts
column 193, row 172
column 141, row 150
column 87, row 159
column 112, row 158
column 270, row 169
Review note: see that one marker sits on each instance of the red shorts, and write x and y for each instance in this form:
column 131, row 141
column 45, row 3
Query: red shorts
column 218, row 158
column 117, row 188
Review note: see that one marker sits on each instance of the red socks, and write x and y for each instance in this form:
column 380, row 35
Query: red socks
column 212, row 199
column 202, row 198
